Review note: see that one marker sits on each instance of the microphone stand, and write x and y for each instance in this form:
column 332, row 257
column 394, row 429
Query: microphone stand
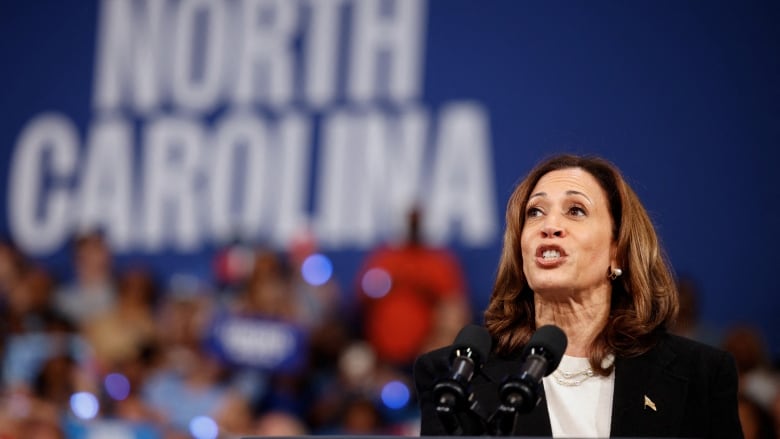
column 458, row 418
column 519, row 395
column 504, row 419
column 455, row 404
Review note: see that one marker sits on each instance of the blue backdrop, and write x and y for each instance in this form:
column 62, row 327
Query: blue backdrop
column 681, row 95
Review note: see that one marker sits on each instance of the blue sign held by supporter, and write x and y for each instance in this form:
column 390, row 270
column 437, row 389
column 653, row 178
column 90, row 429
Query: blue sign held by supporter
column 256, row 341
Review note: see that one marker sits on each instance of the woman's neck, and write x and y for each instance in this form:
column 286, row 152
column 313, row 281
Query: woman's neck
column 581, row 317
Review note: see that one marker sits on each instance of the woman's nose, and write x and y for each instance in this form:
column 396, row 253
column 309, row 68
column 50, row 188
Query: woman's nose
column 550, row 230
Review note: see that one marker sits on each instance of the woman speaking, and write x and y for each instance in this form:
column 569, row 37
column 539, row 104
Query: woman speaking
column 581, row 253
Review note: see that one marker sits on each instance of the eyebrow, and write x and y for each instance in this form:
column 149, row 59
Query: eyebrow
column 569, row 192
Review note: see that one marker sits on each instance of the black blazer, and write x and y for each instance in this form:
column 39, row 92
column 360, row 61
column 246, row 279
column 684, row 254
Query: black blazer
column 693, row 387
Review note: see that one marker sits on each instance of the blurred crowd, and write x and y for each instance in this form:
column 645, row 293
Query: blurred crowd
column 270, row 347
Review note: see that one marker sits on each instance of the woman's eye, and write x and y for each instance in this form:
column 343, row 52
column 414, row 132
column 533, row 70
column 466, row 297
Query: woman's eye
column 533, row 212
column 576, row 211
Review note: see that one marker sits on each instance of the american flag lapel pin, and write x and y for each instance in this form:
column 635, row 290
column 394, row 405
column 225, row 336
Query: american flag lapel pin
column 649, row 403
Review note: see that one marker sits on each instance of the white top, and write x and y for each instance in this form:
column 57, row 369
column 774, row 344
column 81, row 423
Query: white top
column 582, row 410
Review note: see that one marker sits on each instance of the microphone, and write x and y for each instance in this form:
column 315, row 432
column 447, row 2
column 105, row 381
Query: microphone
column 451, row 395
column 522, row 392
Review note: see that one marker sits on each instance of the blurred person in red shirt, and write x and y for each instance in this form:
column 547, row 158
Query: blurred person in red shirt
column 403, row 291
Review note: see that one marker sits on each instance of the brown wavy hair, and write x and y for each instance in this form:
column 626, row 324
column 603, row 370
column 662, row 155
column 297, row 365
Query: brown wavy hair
column 644, row 299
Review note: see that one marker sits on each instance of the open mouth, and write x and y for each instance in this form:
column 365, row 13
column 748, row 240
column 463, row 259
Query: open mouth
column 550, row 253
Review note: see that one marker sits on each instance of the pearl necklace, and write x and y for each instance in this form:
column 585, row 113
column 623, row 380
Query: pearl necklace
column 572, row 379
column 565, row 378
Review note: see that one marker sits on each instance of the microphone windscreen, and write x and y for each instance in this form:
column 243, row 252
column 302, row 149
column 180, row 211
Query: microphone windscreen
column 553, row 340
column 475, row 337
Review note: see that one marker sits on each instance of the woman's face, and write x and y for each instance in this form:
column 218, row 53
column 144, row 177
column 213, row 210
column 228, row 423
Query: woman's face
column 566, row 242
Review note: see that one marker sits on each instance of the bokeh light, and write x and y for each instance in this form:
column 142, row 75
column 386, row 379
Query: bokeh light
column 395, row 394
column 203, row 427
column 317, row 269
column 84, row 405
column 117, row 386
column 376, row 283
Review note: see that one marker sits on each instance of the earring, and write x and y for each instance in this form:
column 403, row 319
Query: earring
column 613, row 274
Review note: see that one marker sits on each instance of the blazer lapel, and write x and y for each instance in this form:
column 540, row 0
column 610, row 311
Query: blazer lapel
column 648, row 397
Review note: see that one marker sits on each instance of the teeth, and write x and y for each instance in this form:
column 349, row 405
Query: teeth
column 549, row 254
